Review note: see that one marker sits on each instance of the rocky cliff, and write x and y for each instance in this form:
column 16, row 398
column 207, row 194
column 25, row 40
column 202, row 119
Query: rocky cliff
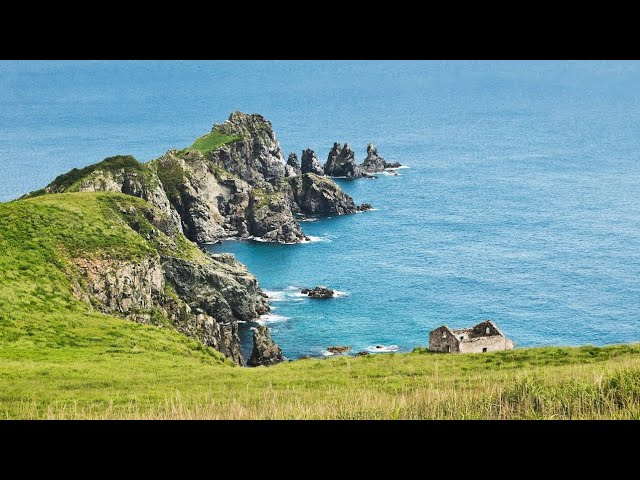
column 171, row 283
column 232, row 182
column 316, row 195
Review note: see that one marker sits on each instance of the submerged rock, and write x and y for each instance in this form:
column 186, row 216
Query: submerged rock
column 318, row 292
column 338, row 349
column 341, row 162
column 364, row 207
column 265, row 351
column 310, row 163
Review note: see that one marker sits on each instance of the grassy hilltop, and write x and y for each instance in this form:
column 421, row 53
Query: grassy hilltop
column 60, row 359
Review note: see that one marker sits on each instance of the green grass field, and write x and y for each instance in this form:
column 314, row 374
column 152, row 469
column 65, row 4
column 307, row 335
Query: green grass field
column 58, row 359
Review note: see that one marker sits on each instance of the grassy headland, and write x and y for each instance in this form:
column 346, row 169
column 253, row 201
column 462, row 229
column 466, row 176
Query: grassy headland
column 60, row 359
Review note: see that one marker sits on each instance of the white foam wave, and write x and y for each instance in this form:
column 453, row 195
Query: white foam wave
column 382, row 348
column 339, row 293
column 308, row 219
column 327, row 353
column 398, row 168
column 390, row 173
column 262, row 240
column 272, row 317
column 314, row 239
column 274, row 295
column 369, row 210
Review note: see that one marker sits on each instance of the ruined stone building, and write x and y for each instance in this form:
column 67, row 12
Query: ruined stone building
column 484, row 337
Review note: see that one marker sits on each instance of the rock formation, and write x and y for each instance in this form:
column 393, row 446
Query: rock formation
column 338, row 349
column 292, row 168
column 318, row 292
column 265, row 351
column 374, row 163
column 255, row 156
column 233, row 182
column 316, row 195
column 341, row 162
column 310, row 163
column 269, row 215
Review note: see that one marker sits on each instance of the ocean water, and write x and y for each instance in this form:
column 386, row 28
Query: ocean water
column 521, row 203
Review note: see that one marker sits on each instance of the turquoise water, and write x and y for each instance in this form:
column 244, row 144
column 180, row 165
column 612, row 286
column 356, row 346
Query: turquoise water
column 521, row 203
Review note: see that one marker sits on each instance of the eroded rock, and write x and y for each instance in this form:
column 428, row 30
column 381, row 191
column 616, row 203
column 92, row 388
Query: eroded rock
column 341, row 162
column 310, row 163
column 265, row 351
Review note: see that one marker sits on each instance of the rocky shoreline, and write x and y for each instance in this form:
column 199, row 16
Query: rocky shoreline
column 233, row 182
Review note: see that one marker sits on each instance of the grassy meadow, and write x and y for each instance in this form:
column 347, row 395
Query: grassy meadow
column 60, row 359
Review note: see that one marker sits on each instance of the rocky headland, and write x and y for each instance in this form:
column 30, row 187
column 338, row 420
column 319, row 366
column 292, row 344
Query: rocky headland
column 232, row 182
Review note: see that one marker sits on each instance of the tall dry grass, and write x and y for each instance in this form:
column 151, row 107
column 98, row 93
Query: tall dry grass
column 613, row 394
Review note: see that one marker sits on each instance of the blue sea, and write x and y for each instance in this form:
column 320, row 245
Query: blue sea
column 521, row 202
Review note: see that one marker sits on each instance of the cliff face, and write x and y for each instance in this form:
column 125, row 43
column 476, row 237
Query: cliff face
column 256, row 157
column 173, row 284
column 315, row 195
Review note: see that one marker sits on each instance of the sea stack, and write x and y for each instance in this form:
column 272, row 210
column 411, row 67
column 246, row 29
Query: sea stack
column 341, row 162
column 265, row 351
column 310, row 163
column 292, row 168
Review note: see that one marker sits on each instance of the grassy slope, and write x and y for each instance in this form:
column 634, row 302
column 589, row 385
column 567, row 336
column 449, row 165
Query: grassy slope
column 213, row 140
column 59, row 360
column 68, row 182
